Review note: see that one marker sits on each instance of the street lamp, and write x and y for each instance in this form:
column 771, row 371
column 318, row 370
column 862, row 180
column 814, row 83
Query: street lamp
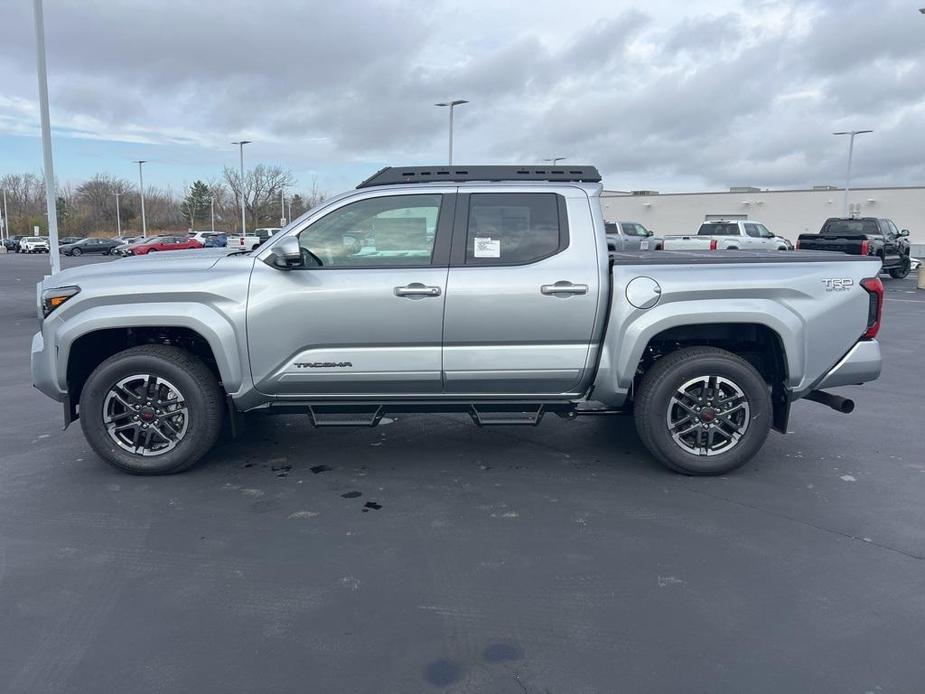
column 141, row 189
column 555, row 160
column 6, row 217
column 452, row 104
column 212, row 211
column 282, row 208
column 852, row 133
column 241, row 150
column 118, row 216
column 50, row 192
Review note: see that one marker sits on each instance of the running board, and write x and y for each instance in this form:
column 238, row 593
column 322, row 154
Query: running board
column 344, row 416
column 486, row 415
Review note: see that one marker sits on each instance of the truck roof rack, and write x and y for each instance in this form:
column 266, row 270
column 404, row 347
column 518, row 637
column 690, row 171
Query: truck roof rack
column 391, row 175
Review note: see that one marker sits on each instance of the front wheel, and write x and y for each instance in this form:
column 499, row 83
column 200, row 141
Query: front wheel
column 703, row 411
column 903, row 270
column 151, row 410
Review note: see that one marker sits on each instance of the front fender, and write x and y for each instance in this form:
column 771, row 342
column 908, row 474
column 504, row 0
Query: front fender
column 214, row 327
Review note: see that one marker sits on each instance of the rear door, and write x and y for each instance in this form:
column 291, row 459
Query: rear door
column 891, row 249
column 522, row 292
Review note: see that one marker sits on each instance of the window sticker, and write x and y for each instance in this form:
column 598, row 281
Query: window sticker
column 486, row 247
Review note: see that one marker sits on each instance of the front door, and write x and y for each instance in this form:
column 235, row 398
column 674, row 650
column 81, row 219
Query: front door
column 522, row 293
column 363, row 316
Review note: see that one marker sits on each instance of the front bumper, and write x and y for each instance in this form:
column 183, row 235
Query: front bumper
column 43, row 358
column 861, row 364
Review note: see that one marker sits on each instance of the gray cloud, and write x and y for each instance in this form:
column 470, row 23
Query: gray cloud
column 719, row 94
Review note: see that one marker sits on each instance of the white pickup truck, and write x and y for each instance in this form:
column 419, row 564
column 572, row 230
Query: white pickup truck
column 250, row 242
column 727, row 235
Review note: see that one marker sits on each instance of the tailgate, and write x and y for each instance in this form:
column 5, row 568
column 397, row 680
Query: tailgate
column 687, row 243
column 842, row 244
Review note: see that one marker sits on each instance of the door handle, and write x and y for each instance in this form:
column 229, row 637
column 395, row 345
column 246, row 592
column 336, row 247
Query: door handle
column 416, row 289
column 563, row 287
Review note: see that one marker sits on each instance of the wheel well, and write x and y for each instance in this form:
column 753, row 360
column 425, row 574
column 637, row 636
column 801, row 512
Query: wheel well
column 92, row 349
column 758, row 344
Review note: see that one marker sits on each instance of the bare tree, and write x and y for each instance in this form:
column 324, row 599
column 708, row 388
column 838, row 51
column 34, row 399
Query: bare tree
column 261, row 189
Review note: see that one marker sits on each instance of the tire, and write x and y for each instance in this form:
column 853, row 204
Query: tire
column 186, row 437
column 658, row 403
column 76, row 252
column 902, row 271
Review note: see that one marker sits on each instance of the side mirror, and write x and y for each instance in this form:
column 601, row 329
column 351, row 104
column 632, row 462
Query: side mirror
column 287, row 254
column 904, row 232
column 649, row 232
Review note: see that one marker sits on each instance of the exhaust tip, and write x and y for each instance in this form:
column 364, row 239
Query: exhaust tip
column 846, row 406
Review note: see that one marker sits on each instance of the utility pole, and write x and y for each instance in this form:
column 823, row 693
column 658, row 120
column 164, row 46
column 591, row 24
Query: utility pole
column 141, row 189
column 118, row 216
column 241, row 185
column 452, row 103
column 51, row 195
column 852, row 134
column 212, row 211
column 282, row 208
column 6, row 216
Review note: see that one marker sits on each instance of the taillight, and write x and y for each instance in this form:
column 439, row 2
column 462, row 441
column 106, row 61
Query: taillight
column 713, row 244
column 797, row 247
column 874, row 288
column 865, row 247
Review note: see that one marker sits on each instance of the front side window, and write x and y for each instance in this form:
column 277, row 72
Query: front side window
column 513, row 228
column 391, row 230
column 752, row 231
column 634, row 229
column 763, row 232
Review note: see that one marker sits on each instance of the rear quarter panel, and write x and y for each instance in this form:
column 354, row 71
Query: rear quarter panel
column 816, row 325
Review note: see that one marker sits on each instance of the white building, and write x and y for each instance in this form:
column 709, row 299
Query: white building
column 787, row 213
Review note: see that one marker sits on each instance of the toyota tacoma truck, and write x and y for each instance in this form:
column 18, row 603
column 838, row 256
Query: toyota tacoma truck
column 731, row 235
column 866, row 236
column 485, row 290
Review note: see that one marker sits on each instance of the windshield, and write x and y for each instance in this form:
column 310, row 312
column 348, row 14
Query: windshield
column 719, row 229
column 850, row 227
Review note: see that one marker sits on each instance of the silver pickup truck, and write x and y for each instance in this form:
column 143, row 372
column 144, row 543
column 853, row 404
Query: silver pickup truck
column 484, row 290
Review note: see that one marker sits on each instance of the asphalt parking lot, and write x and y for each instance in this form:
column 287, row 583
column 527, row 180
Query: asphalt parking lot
column 428, row 555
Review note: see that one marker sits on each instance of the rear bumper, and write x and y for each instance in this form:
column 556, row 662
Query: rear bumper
column 861, row 364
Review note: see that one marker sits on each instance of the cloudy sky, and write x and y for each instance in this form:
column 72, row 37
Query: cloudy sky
column 660, row 95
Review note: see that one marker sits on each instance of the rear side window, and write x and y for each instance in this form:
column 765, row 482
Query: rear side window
column 731, row 229
column 850, row 227
column 514, row 228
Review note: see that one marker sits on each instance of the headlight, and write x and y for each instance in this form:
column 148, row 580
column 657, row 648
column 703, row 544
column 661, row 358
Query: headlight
column 53, row 298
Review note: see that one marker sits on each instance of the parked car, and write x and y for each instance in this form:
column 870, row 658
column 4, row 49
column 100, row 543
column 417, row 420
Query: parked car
column 252, row 241
column 163, row 243
column 867, row 236
column 204, row 238
column 731, row 235
column 124, row 249
column 217, row 241
column 486, row 289
column 93, row 245
column 33, row 244
column 11, row 243
column 630, row 236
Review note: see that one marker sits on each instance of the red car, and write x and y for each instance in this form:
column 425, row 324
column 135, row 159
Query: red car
column 165, row 243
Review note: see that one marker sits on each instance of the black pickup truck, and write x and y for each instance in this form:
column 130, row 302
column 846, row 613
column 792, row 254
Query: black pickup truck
column 872, row 236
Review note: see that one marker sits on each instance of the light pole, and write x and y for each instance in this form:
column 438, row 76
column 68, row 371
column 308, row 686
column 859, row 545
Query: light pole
column 852, row 133
column 241, row 185
column 282, row 208
column 555, row 160
column 118, row 216
column 212, row 211
column 6, row 216
column 289, row 208
column 50, row 192
column 141, row 190
column 452, row 104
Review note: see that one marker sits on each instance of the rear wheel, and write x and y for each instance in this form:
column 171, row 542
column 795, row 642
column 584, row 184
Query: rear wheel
column 76, row 251
column 703, row 411
column 903, row 269
column 151, row 410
